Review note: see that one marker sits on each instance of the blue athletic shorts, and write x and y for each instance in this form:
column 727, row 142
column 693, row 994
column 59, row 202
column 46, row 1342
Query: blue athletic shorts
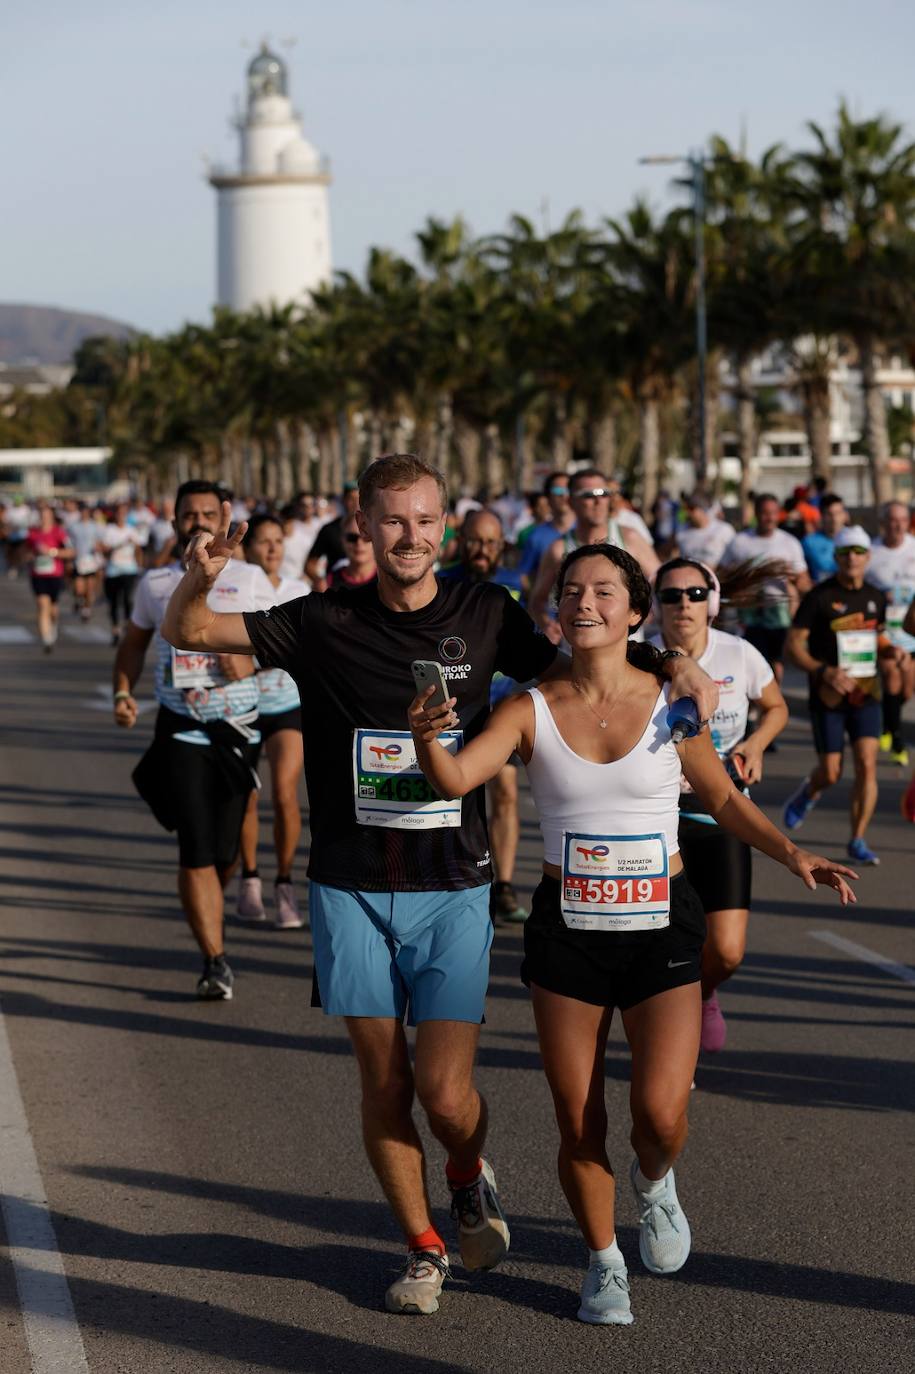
column 831, row 726
column 386, row 953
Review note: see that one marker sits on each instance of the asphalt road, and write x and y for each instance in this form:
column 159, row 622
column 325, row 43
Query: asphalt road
column 202, row 1164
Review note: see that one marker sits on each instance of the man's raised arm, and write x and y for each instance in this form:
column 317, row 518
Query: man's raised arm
column 189, row 623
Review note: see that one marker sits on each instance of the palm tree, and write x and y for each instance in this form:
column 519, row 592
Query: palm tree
column 854, row 196
column 651, row 267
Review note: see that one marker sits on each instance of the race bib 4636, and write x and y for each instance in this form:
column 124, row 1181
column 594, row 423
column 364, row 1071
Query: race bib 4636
column 389, row 787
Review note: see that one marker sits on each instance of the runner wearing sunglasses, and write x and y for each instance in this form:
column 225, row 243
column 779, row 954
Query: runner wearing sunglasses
column 837, row 639
column 357, row 568
column 717, row 863
column 591, row 496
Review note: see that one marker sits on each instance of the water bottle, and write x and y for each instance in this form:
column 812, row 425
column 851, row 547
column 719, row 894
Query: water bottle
column 683, row 720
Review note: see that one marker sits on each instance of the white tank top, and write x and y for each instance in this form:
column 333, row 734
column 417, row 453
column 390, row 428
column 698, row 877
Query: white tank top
column 638, row 794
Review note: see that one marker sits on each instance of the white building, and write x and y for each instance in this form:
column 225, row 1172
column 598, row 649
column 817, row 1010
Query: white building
column 273, row 215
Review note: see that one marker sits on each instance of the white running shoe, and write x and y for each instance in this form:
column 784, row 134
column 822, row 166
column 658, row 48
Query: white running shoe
column 664, row 1235
column 415, row 1290
column 287, row 915
column 605, row 1297
column 251, row 901
column 482, row 1230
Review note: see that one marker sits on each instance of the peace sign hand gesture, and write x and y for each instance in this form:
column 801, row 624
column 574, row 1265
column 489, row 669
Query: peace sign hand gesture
column 208, row 554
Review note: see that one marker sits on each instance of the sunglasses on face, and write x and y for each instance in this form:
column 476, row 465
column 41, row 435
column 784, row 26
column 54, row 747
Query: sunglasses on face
column 356, row 539
column 559, row 491
column 851, row 548
column 672, row 596
column 594, row 493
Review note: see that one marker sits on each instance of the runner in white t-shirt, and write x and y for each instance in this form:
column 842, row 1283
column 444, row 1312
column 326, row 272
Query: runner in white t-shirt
column 718, row 864
column 281, row 728
column 704, row 537
column 892, row 569
column 766, row 624
column 84, row 537
column 197, row 776
column 120, row 543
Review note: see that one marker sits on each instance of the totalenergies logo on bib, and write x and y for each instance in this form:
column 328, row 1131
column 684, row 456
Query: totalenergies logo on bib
column 598, row 854
column 385, row 751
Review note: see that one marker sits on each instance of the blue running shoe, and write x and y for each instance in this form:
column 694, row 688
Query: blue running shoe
column 861, row 854
column 605, row 1297
column 798, row 806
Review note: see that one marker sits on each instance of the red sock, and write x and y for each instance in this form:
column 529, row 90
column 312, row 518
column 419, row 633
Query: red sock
column 427, row 1240
column 461, row 1177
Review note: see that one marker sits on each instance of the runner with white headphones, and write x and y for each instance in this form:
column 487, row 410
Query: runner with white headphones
column 687, row 599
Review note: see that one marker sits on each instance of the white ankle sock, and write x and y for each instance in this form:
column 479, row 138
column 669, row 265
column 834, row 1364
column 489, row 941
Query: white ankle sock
column 611, row 1257
column 650, row 1186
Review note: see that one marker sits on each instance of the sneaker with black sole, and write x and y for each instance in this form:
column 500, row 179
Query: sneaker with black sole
column 504, row 904
column 415, row 1290
column 482, row 1229
column 215, row 983
column 664, row 1234
column 605, row 1297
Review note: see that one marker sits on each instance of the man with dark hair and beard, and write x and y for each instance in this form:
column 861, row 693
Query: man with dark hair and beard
column 198, row 773
column 480, row 548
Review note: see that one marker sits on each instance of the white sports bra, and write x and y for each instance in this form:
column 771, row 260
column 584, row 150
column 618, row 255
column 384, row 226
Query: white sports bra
column 638, row 794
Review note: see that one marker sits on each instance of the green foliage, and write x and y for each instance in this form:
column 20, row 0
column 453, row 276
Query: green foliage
column 547, row 332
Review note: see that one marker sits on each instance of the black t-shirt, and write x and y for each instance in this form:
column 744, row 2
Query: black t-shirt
column 329, row 542
column 350, row 657
column 829, row 609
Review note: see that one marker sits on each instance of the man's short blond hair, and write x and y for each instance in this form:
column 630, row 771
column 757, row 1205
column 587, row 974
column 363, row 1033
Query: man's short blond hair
column 398, row 470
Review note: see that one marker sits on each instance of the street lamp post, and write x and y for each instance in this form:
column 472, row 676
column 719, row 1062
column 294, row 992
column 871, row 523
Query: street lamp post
column 696, row 164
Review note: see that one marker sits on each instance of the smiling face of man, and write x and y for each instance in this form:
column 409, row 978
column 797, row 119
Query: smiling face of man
column 406, row 526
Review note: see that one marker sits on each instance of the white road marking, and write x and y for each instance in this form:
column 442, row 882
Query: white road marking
column 54, row 1341
column 16, row 634
column 87, row 634
column 867, row 956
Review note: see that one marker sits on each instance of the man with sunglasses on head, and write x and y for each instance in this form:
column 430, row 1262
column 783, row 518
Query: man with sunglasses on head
column 837, row 639
column 562, row 518
column 591, row 496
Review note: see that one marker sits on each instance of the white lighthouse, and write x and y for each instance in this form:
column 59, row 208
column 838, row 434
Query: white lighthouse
column 273, row 215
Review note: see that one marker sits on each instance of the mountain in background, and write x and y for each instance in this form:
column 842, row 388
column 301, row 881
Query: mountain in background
column 44, row 334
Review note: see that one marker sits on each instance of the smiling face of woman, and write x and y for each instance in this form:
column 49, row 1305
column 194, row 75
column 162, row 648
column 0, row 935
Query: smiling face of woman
column 266, row 547
column 594, row 606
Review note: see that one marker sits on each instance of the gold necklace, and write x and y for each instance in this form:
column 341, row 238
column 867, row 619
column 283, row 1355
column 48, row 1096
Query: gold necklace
column 598, row 717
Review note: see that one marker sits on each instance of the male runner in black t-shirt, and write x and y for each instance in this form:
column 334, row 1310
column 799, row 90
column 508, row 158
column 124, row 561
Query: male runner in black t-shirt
column 836, row 639
column 400, row 879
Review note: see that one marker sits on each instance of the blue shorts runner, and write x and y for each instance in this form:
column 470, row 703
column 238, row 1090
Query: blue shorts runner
column 382, row 953
column 830, row 725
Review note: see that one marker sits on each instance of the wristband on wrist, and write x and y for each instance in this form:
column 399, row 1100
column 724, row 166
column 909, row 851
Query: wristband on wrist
column 123, row 696
column 667, row 654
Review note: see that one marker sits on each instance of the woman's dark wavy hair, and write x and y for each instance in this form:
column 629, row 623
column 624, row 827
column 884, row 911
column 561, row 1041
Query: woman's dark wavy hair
column 263, row 517
column 644, row 656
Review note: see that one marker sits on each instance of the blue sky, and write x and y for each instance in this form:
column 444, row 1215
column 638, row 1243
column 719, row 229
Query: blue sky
column 423, row 106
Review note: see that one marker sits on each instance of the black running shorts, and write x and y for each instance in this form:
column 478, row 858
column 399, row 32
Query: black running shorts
column 47, row 586
column 719, row 866
column 282, row 720
column 209, row 821
column 610, row 968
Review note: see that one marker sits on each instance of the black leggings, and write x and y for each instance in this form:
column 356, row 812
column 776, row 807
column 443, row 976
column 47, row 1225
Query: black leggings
column 119, row 595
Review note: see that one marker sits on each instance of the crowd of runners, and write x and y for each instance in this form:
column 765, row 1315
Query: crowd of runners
column 409, row 656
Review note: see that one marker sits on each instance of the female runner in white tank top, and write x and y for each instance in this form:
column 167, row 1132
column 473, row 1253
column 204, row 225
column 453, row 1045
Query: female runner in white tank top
column 718, row 864
column 614, row 921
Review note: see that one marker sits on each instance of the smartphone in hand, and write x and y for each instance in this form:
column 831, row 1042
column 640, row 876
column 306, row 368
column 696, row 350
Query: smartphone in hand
column 427, row 673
